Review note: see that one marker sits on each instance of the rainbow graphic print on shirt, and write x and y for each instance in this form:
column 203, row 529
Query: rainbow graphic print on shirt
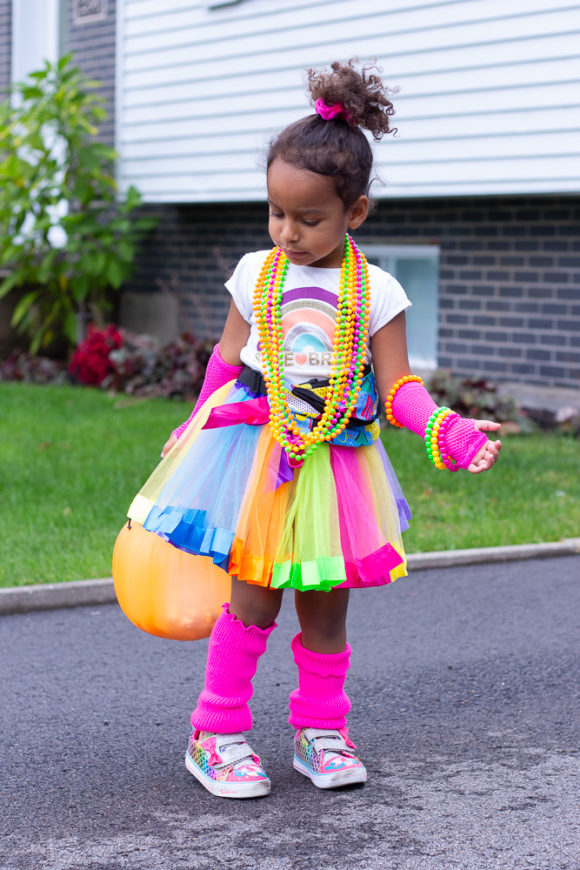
column 308, row 317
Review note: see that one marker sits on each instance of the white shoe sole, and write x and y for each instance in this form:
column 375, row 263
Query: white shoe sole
column 331, row 780
column 228, row 789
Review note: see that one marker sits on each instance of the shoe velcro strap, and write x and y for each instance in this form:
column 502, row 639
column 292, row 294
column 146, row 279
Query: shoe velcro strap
column 335, row 744
column 233, row 752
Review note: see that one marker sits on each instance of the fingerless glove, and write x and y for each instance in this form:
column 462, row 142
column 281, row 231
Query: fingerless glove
column 412, row 407
column 217, row 373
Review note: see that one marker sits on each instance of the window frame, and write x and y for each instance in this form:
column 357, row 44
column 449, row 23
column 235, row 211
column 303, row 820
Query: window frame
column 387, row 254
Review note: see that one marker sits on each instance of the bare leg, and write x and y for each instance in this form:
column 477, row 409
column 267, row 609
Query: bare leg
column 322, row 617
column 255, row 605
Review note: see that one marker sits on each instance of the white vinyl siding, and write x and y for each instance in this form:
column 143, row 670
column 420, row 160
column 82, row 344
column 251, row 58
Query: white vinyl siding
column 488, row 101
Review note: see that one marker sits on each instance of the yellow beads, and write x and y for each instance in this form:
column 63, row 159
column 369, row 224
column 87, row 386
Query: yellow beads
column 406, row 379
column 348, row 353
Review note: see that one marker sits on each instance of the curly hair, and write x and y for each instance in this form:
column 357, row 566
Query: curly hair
column 338, row 148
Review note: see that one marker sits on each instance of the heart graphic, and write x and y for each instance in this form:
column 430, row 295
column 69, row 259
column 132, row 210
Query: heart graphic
column 300, row 358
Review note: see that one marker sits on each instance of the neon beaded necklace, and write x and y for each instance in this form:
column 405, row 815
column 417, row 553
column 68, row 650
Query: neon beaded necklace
column 348, row 356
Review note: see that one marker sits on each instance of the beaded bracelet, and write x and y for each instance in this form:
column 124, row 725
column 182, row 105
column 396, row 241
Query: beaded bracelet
column 432, row 435
column 406, row 379
column 446, row 459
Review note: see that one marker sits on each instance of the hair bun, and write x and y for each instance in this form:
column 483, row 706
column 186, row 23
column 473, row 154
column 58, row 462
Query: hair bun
column 361, row 92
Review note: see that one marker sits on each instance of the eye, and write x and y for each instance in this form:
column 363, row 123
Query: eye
column 276, row 214
column 311, row 223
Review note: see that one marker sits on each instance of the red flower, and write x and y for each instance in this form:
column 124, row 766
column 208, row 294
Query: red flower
column 90, row 363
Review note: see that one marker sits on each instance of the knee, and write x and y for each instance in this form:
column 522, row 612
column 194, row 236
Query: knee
column 323, row 612
column 256, row 606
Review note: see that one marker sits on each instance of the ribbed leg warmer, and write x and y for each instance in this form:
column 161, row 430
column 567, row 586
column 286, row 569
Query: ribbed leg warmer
column 232, row 659
column 320, row 700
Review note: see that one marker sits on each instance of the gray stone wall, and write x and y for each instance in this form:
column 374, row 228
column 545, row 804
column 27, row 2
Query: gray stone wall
column 93, row 44
column 5, row 45
column 509, row 288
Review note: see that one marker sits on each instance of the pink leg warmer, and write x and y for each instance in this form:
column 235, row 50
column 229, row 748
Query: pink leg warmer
column 217, row 373
column 320, row 700
column 232, row 659
column 412, row 407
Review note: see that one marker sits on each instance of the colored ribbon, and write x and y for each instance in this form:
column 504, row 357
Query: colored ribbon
column 254, row 412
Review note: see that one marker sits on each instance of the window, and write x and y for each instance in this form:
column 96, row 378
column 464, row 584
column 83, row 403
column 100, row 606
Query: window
column 35, row 35
column 416, row 267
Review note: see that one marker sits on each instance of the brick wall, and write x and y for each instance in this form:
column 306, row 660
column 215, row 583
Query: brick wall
column 509, row 287
column 5, row 45
column 193, row 251
column 509, row 282
column 93, row 46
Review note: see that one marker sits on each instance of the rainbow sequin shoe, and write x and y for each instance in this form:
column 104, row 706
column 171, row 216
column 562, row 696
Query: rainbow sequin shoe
column 226, row 765
column 326, row 757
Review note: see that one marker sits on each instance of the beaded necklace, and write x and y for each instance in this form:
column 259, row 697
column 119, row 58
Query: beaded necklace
column 348, row 356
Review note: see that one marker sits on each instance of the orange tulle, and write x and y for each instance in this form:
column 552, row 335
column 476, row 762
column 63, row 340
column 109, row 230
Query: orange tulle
column 163, row 590
column 262, row 518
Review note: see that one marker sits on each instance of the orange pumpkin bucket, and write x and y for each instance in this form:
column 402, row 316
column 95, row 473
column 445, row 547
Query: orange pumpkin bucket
column 164, row 590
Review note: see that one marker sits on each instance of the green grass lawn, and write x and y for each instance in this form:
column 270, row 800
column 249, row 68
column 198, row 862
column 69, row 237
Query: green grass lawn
column 71, row 460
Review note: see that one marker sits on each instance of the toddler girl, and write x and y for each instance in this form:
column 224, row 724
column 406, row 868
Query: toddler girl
column 279, row 475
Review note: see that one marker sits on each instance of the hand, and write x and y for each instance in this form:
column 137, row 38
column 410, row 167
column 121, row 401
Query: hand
column 487, row 456
column 168, row 445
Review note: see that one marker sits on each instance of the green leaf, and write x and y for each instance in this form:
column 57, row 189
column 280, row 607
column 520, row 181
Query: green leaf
column 115, row 274
column 132, row 198
column 46, row 267
column 24, row 306
column 126, row 250
column 64, row 61
column 32, row 93
column 70, row 326
column 9, row 283
column 80, row 288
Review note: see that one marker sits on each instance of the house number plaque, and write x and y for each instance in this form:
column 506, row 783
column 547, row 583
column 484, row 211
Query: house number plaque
column 86, row 11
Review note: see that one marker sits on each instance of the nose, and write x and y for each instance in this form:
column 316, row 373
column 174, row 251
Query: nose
column 289, row 232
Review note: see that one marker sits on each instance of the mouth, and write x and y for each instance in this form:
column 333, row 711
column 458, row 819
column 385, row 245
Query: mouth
column 296, row 253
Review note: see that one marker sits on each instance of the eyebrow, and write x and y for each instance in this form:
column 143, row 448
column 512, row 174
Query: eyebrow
column 313, row 210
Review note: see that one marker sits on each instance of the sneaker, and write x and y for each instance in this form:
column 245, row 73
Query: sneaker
column 226, row 765
column 326, row 757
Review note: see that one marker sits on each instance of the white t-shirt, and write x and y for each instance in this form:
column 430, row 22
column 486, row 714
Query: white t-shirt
column 309, row 312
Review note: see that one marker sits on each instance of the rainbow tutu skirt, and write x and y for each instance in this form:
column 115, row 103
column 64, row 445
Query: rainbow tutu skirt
column 227, row 493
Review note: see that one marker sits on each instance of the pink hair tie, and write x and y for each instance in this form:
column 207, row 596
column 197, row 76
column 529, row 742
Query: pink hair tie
column 337, row 110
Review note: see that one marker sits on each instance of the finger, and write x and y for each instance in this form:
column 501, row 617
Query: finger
column 487, row 425
column 483, row 463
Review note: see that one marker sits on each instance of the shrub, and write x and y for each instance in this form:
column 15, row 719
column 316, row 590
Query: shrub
column 478, row 397
column 91, row 362
column 122, row 362
column 66, row 235
column 31, row 369
column 141, row 367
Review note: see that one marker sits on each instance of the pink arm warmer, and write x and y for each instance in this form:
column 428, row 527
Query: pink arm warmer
column 217, row 373
column 412, row 407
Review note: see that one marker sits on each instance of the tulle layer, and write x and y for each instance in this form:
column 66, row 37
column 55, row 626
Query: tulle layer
column 336, row 522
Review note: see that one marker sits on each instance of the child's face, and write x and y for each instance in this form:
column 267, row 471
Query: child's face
column 308, row 219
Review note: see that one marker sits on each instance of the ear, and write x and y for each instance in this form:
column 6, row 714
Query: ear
column 357, row 213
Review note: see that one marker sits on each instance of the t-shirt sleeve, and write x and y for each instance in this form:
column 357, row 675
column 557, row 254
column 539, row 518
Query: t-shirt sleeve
column 241, row 284
column 387, row 299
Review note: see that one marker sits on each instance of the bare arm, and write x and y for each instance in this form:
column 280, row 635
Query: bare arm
column 389, row 350
column 234, row 337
